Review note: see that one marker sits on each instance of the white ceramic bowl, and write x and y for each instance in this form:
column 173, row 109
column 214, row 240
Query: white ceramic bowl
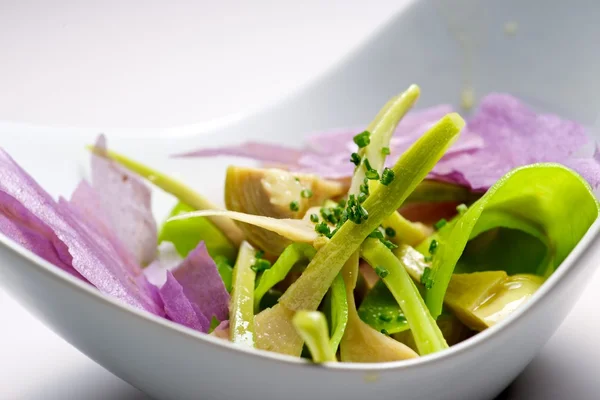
column 550, row 62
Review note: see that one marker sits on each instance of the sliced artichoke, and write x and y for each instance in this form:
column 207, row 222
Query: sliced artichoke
column 274, row 193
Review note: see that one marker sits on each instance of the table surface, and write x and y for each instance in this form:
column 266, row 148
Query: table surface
column 67, row 64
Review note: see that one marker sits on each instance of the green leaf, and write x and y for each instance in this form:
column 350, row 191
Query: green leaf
column 225, row 270
column 186, row 234
column 292, row 255
column 381, row 310
column 549, row 202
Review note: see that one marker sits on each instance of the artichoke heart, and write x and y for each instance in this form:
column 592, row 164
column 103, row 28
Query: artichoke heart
column 274, row 193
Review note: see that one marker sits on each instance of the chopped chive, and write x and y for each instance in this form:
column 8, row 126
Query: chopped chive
column 259, row 254
column 355, row 159
column 367, row 165
column 372, row 174
column 376, row 234
column 385, row 318
column 381, row 272
column 297, row 179
column 362, row 196
column 389, row 244
column 390, row 232
column 385, row 332
column 314, row 218
column 387, row 176
column 440, row 224
column 461, row 208
column 426, row 278
column 433, row 246
column 342, row 203
column 362, row 139
column 385, row 151
column 294, row 206
column 322, row 228
column 260, row 265
column 306, row 193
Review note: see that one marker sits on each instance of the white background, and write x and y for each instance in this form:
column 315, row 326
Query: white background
column 141, row 65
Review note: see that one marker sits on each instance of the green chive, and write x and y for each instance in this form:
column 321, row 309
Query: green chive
column 426, row 278
column 372, row 174
column 294, row 206
column 387, row 176
column 385, row 332
column 440, row 224
column 355, row 159
column 322, row 228
column 385, row 318
column 362, row 139
column 259, row 254
column 306, row 193
column 433, row 246
column 362, row 197
column 389, row 244
column 381, row 272
column 314, row 218
column 376, row 234
column 260, row 265
column 385, row 151
column 390, row 232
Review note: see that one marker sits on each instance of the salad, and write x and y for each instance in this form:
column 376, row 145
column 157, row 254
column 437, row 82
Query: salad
column 380, row 243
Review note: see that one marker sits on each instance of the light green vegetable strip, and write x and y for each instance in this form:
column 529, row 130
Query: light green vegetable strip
column 339, row 311
column 547, row 201
column 182, row 192
column 186, row 234
column 426, row 333
column 241, row 308
column 312, row 327
column 292, row 254
column 410, row 169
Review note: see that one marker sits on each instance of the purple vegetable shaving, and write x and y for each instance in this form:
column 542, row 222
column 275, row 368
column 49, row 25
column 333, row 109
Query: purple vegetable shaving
column 502, row 135
column 179, row 308
column 125, row 201
column 202, row 284
column 93, row 256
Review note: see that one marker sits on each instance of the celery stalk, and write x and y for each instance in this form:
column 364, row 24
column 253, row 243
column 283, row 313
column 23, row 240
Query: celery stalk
column 241, row 308
column 426, row 333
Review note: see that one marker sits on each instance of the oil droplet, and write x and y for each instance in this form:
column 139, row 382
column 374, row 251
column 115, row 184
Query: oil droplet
column 510, row 28
column 371, row 377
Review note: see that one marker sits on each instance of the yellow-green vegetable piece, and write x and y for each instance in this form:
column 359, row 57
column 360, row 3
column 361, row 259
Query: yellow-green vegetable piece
column 308, row 291
column 186, row 234
column 241, row 307
column 547, row 201
column 312, row 328
column 296, row 230
column 360, row 342
column 275, row 193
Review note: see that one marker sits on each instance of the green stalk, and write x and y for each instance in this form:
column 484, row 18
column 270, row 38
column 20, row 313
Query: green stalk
column 312, row 327
column 241, row 308
column 178, row 189
column 410, row 169
column 292, row 254
column 428, row 336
